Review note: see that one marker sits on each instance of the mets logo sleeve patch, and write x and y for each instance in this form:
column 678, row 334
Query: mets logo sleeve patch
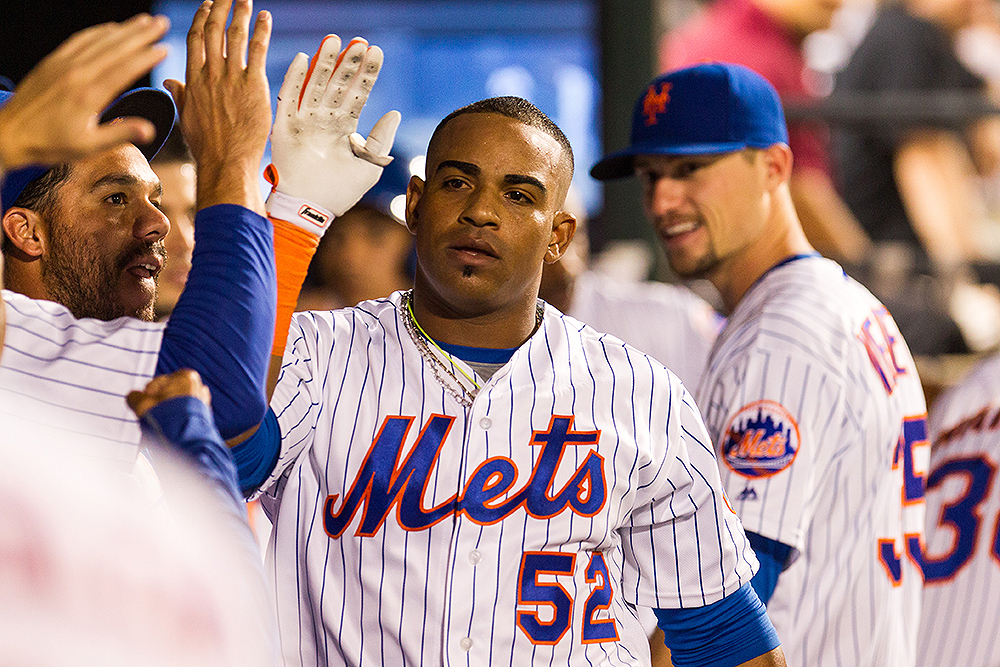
column 761, row 440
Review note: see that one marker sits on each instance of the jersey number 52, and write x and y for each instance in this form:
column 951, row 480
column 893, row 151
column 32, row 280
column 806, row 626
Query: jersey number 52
column 533, row 591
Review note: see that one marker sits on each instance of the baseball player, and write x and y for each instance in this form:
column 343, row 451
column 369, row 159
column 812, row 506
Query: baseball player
column 962, row 555
column 459, row 474
column 70, row 376
column 810, row 394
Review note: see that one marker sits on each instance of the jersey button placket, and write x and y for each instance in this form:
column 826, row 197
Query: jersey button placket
column 485, row 423
column 465, row 643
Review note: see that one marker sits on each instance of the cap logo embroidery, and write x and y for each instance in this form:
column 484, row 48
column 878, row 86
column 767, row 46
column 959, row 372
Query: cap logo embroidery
column 656, row 102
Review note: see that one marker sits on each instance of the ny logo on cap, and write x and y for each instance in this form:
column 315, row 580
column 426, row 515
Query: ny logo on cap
column 655, row 102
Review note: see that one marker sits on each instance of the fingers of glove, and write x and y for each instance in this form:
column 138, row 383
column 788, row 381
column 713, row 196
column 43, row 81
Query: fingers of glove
column 379, row 143
column 361, row 151
column 360, row 86
column 238, row 35
column 291, row 87
column 321, row 67
column 348, row 66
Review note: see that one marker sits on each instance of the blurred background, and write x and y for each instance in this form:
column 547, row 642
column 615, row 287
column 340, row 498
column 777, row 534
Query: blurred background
column 584, row 62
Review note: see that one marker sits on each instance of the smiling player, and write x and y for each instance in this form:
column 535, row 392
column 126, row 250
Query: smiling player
column 810, row 395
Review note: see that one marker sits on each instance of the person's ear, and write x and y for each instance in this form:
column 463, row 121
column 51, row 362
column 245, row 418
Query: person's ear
column 26, row 232
column 414, row 190
column 563, row 230
column 778, row 163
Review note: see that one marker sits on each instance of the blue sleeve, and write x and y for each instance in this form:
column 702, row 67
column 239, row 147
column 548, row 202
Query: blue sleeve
column 223, row 324
column 773, row 557
column 723, row 634
column 185, row 423
column 256, row 456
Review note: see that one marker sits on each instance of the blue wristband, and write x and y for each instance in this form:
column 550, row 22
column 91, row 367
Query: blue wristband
column 256, row 456
column 723, row 634
column 223, row 324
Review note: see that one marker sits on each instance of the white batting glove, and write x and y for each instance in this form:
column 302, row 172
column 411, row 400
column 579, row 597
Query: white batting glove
column 321, row 166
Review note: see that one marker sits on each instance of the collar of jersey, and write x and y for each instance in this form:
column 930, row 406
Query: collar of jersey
column 784, row 262
column 479, row 355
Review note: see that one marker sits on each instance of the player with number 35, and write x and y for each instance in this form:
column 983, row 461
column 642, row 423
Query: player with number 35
column 810, row 394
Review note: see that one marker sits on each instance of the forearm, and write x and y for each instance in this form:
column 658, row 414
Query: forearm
column 826, row 220
column 186, row 423
column 223, row 323
column 933, row 174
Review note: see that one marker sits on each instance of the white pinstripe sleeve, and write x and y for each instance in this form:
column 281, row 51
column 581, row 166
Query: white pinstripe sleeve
column 685, row 540
column 800, row 395
column 298, row 396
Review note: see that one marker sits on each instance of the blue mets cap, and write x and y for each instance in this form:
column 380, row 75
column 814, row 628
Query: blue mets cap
column 153, row 104
column 704, row 109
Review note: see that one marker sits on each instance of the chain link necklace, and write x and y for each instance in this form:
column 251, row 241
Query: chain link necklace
column 464, row 389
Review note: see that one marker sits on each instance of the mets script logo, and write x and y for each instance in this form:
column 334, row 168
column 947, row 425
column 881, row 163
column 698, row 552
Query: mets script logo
column 655, row 102
column 761, row 440
column 490, row 494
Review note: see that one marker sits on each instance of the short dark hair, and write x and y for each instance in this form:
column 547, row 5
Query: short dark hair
column 39, row 196
column 517, row 108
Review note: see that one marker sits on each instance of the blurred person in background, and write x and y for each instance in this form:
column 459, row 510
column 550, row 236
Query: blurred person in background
column 910, row 180
column 175, row 168
column 767, row 37
column 962, row 535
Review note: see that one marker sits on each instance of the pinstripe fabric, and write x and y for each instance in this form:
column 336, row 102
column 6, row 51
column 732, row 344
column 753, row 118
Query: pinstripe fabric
column 65, row 379
column 667, row 322
column 795, row 340
column 417, row 589
column 960, row 613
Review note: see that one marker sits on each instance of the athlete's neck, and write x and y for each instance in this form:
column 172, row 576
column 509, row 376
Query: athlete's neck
column 483, row 326
column 738, row 273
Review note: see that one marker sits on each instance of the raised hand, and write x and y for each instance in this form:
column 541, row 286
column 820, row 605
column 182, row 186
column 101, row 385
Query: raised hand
column 317, row 154
column 54, row 114
column 225, row 103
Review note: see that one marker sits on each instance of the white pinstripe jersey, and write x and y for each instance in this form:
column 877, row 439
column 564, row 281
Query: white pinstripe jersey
column 961, row 612
column 409, row 530
column 66, row 378
column 816, row 408
column 668, row 322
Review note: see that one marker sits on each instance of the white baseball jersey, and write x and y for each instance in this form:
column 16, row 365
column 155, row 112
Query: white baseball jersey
column 668, row 322
column 411, row 530
column 961, row 611
column 813, row 401
column 66, row 378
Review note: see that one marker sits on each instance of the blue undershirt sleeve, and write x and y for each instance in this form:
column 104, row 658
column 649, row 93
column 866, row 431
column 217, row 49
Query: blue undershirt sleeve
column 223, row 324
column 186, row 423
column 773, row 557
column 257, row 455
column 723, row 634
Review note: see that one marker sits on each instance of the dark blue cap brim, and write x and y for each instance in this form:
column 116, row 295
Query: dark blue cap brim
column 620, row 164
column 153, row 104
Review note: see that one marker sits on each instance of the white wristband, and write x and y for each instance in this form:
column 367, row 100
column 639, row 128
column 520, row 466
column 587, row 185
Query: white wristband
column 311, row 217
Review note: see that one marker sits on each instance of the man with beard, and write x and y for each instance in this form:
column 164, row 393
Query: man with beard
column 89, row 233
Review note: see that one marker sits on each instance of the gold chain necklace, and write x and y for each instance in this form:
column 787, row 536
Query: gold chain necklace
column 458, row 387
